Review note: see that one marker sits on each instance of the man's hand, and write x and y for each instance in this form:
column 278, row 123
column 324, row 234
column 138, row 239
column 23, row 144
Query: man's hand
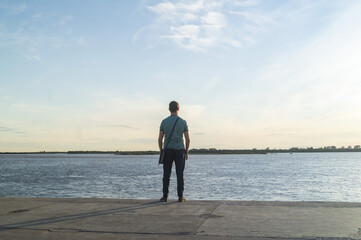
column 160, row 140
column 186, row 136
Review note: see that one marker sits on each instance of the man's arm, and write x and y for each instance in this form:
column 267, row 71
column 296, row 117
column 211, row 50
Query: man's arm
column 188, row 141
column 160, row 140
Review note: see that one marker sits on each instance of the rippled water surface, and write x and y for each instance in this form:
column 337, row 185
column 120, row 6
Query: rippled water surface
column 284, row 177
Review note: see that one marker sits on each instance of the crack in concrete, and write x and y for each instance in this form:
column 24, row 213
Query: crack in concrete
column 19, row 211
column 71, row 217
column 98, row 231
column 207, row 216
column 23, row 210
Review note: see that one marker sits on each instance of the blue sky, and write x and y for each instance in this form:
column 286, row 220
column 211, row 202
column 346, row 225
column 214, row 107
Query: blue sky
column 98, row 75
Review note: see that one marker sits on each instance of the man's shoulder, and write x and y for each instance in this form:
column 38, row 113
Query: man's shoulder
column 183, row 120
column 183, row 124
column 166, row 119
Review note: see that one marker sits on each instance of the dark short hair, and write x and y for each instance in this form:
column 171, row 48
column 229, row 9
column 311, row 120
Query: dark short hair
column 173, row 106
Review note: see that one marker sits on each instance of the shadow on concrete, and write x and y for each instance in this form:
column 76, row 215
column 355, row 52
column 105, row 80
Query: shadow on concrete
column 45, row 221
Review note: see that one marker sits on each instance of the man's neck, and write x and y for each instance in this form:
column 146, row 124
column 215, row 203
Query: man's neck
column 174, row 113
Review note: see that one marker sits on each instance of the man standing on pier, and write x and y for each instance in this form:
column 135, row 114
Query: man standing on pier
column 175, row 150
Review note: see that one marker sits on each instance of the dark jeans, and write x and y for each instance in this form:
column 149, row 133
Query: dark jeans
column 178, row 156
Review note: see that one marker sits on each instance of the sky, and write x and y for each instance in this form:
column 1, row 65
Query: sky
column 99, row 75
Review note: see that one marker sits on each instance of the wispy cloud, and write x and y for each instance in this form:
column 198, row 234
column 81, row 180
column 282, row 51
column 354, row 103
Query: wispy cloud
column 31, row 43
column 318, row 85
column 204, row 24
column 34, row 107
column 20, row 132
column 38, row 16
column 247, row 3
column 81, row 41
column 254, row 18
column 195, row 26
column 65, row 20
column 199, row 133
column 164, row 75
column 122, row 126
column 201, row 25
column 11, row 130
column 12, row 9
column 281, row 134
column 30, row 36
column 6, row 129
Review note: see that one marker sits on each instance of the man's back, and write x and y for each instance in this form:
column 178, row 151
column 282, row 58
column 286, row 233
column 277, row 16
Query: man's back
column 166, row 126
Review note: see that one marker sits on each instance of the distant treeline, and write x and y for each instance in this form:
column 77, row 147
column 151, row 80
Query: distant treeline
column 192, row 151
column 356, row 148
column 116, row 152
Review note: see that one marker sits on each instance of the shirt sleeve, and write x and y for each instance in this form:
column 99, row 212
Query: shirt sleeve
column 162, row 126
column 185, row 126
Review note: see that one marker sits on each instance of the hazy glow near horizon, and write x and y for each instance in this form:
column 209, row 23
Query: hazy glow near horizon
column 98, row 75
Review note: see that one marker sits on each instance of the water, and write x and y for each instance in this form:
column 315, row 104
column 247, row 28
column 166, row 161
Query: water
column 271, row 177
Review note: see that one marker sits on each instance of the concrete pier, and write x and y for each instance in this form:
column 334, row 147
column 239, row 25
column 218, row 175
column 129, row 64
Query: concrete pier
column 55, row 218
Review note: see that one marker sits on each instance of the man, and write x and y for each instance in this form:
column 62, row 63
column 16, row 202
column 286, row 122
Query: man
column 175, row 150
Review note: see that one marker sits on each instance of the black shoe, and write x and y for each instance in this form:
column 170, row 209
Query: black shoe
column 164, row 199
column 182, row 199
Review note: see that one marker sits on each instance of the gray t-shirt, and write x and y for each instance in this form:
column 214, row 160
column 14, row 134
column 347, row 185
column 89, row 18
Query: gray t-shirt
column 166, row 126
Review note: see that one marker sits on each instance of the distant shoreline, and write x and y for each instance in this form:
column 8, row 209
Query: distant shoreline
column 213, row 151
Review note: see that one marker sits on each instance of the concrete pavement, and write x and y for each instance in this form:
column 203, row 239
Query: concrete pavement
column 55, row 218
